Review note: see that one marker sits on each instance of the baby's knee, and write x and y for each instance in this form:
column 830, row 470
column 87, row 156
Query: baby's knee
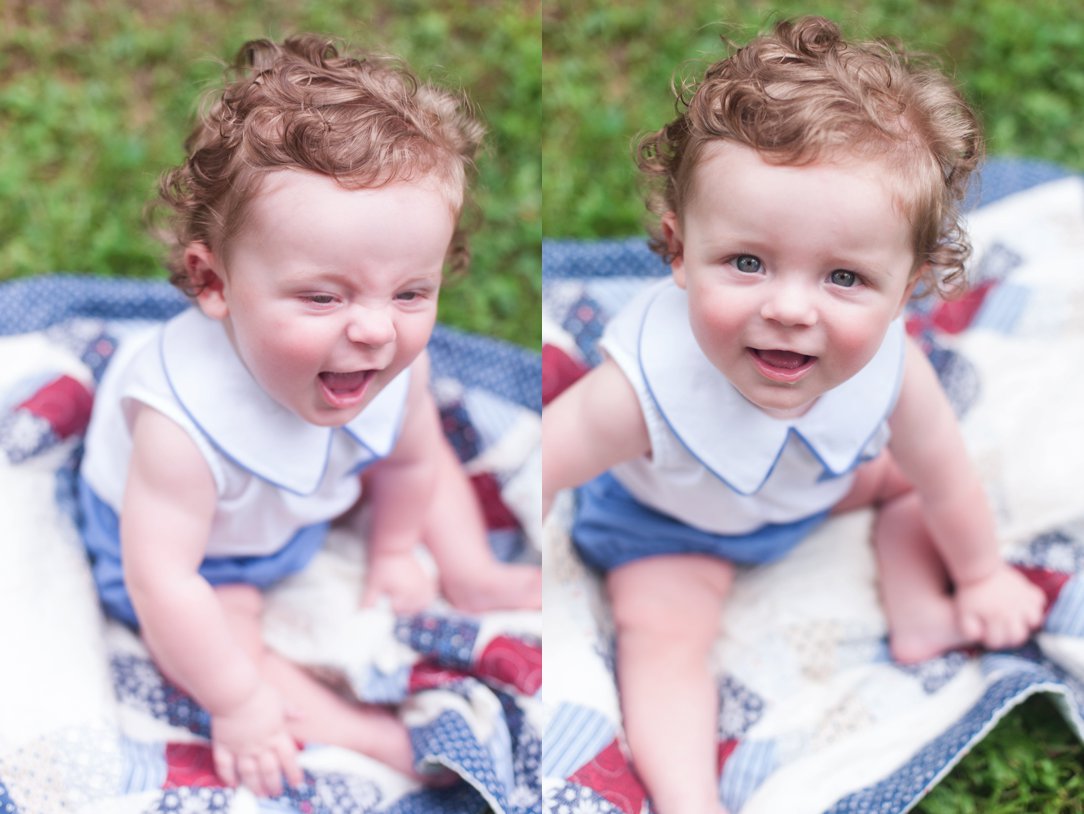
column 876, row 483
column 667, row 625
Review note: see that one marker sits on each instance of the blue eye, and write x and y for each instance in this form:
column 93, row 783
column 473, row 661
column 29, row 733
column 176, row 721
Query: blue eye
column 747, row 264
column 844, row 278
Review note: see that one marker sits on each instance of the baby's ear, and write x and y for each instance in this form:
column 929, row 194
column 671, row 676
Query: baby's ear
column 917, row 276
column 205, row 277
column 675, row 246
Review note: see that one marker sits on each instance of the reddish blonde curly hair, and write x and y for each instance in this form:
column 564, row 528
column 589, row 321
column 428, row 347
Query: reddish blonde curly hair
column 803, row 94
column 365, row 121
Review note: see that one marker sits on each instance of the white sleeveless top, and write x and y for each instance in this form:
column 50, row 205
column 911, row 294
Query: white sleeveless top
column 274, row 473
column 718, row 462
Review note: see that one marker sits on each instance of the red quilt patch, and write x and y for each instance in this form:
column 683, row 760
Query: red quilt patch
column 190, row 764
column 559, row 372
column 497, row 515
column 512, row 662
column 65, row 403
column 611, row 776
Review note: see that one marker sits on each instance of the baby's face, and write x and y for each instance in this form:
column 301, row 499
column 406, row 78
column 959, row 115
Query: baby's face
column 327, row 293
column 793, row 273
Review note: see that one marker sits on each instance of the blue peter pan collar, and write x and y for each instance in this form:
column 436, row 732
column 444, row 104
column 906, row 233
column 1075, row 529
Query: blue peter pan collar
column 219, row 394
column 734, row 439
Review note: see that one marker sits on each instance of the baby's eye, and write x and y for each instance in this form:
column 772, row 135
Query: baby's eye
column 320, row 299
column 747, row 264
column 844, row 278
column 417, row 295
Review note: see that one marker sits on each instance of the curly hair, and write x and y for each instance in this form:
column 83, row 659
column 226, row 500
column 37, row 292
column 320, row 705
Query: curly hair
column 365, row 121
column 803, row 94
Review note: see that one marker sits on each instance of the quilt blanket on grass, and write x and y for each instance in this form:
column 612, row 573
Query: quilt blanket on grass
column 814, row 715
column 88, row 725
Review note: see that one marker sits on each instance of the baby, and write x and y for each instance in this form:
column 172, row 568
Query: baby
column 312, row 221
column 809, row 186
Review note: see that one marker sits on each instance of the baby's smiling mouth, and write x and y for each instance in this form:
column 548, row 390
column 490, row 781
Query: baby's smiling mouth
column 782, row 366
column 344, row 382
column 782, row 359
column 345, row 389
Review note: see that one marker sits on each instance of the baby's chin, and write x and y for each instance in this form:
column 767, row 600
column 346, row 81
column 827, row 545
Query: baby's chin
column 781, row 401
column 787, row 411
column 320, row 414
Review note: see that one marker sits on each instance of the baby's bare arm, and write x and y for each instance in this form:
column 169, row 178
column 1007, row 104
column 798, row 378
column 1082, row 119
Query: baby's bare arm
column 399, row 486
column 400, row 490
column 929, row 447
column 165, row 520
column 996, row 605
column 592, row 426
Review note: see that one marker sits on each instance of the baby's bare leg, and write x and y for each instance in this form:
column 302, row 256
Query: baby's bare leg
column 316, row 713
column 471, row 578
column 667, row 612
column 915, row 588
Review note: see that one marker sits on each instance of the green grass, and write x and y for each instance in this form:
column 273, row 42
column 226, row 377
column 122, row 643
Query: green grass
column 1028, row 763
column 96, row 97
column 606, row 74
column 607, row 70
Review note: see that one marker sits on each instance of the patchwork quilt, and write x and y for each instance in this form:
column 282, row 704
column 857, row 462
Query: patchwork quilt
column 814, row 715
column 87, row 723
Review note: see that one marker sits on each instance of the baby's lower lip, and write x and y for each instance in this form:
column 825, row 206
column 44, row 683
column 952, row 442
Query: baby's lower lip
column 345, row 389
column 781, row 365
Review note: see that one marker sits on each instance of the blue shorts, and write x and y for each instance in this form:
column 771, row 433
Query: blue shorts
column 100, row 528
column 612, row 529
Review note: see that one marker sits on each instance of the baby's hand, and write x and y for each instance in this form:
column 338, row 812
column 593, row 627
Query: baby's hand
column 400, row 577
column 1000, row 610
column 252, row 747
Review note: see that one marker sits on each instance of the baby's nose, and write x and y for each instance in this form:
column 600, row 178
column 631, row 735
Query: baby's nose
column 370, row 325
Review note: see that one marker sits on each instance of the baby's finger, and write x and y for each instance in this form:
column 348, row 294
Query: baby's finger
column 291, row 769
column 1037, row 612
column 971, row 626
column 1036, row 617
column 994, row 638
column 248, row 769
column 224, row 765
column 1020, row 631
column 270, row 773
column 1005, row 633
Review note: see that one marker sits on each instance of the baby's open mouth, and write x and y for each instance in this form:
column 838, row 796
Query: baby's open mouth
column 345, row 382
column 783, row 359
column 345, row 390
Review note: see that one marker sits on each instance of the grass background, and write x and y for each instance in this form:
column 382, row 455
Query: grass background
column 96, row 97
column 606, row 75
column 607, row 70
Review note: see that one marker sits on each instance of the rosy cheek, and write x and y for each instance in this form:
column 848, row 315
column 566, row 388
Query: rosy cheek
column 857, row 344
column 718, row 315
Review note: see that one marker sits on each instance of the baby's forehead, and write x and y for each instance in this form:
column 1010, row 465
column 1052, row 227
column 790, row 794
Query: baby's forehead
column 718, row 159
column 283, row 180
column 275, row 192
column 906, row 174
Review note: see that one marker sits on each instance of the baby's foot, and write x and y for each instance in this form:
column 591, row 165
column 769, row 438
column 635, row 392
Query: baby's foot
column 499, row 586
column 926, row 634
column 401, row 580
column 388, row 741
